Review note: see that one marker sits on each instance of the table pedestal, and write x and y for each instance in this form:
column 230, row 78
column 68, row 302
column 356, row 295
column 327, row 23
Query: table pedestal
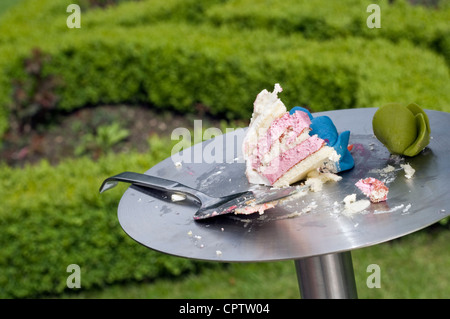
column 326, row 276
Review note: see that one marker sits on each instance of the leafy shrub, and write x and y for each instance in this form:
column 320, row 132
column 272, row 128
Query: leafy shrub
column 324, row 20
column 178, row 64
column 102, row 141
column 126, row 54
column 33, row 97
column 99, row 3
column 52, row 217
column 225, row 72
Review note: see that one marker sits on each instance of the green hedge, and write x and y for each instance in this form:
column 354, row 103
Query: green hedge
column 136, row 52
column 323, row 19
column 225, row 71
column 35, row 24
column 51, row 217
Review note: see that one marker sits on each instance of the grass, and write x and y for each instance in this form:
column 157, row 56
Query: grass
column 6, row 4
column 415, row 266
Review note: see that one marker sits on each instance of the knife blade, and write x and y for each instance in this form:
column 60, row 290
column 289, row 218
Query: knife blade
column 257, row 199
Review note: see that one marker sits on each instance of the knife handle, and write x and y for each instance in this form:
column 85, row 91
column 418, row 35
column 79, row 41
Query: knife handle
column 154, row 183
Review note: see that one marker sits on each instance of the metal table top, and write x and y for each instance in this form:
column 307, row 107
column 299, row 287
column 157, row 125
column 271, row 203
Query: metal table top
column 305, row 225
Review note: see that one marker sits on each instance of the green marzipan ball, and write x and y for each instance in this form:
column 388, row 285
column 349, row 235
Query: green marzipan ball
column 404, row 130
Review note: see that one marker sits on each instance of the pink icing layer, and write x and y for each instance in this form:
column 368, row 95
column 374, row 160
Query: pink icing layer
column 280, row 165
column 287, row 125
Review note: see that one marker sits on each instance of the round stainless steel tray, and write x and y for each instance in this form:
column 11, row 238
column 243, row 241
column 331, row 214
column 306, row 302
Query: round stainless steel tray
column 302, row 226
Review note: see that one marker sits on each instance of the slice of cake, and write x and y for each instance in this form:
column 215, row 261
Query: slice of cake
column 278, row 148
column 266, row 108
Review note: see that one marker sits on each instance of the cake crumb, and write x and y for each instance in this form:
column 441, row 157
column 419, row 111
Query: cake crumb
column 316, row 179
column 373, row 188
column 292, row 215
column 253, row 208
column 409, row 171
column 353, row 206
column 309, row 208
column 349, row 199
column 407, row 208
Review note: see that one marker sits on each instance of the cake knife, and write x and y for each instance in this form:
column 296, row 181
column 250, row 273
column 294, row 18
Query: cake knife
column 209, row 206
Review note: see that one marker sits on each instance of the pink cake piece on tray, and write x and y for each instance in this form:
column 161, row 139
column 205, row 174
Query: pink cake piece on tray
column 373, row 188
column 278, row 148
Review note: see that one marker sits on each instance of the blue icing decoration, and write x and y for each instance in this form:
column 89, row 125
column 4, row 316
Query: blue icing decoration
column 324, row 127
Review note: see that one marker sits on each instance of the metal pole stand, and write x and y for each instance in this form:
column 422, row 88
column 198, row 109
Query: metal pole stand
column 328, row 276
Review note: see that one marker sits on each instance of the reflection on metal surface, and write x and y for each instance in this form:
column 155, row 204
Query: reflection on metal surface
column 309, row 224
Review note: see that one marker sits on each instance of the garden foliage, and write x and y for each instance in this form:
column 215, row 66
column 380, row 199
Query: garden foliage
column 173, row 54
column 52, row 217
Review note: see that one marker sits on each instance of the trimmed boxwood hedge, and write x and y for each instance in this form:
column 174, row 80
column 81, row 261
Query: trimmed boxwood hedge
column 51, row 217
column 136, row 52
column 323, row 19
column 225, row 71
